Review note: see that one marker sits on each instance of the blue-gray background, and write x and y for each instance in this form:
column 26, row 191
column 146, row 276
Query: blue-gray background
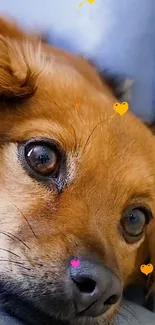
column 119, row 35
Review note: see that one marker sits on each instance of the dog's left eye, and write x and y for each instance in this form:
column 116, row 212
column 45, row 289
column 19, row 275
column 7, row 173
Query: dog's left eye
column 133, row 223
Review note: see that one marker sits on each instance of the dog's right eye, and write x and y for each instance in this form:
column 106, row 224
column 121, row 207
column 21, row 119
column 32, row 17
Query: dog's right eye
column 43, row 160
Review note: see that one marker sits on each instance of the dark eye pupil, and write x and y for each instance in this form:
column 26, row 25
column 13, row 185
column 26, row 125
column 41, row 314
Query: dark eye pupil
column 42, row 158
column 133, row 218
column 135, row 221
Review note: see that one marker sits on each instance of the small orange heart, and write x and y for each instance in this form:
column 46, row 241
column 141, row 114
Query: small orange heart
column 146, row 269
column 77, row 104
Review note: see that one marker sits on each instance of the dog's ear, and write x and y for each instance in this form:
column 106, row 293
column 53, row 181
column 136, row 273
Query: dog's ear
column 17, row 81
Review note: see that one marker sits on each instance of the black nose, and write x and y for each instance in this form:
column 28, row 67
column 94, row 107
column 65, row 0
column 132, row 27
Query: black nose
column 95, row 288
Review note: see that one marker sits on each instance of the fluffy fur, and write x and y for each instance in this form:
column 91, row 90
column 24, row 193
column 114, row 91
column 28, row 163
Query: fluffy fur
column 109, row 165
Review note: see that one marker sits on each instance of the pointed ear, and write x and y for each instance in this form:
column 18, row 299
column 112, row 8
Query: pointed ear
column 17, row 81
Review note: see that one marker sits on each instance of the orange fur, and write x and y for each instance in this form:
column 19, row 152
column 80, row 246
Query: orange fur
column 110, row 164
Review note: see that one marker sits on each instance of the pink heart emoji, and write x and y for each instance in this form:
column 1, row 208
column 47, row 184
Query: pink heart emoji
column 75, row 263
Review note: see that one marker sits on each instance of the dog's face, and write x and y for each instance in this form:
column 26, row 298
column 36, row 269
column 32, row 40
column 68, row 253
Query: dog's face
column 76, row 189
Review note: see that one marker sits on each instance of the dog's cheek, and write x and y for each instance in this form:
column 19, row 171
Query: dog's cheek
column 20, row 209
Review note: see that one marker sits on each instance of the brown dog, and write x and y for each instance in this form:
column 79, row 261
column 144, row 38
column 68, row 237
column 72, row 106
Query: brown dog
column 77, row 189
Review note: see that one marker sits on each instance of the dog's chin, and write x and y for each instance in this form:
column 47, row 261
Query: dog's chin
column 39, row 311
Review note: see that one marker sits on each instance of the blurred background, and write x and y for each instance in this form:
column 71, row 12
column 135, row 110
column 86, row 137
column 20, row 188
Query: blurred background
column 117, row 35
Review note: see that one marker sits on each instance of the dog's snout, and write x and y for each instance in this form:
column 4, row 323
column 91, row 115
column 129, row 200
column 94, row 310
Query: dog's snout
column 94, row 288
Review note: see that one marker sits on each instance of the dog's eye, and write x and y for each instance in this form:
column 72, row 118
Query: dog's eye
column 42, row 158
column 133, row 223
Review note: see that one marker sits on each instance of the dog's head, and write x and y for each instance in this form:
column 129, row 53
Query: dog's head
column 76, row 188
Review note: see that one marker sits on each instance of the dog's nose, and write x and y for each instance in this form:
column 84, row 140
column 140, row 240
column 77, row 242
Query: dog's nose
column 94, row 287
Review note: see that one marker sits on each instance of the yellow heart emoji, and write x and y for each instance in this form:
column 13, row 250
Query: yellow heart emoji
column 121, row 108
column 146, row 269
